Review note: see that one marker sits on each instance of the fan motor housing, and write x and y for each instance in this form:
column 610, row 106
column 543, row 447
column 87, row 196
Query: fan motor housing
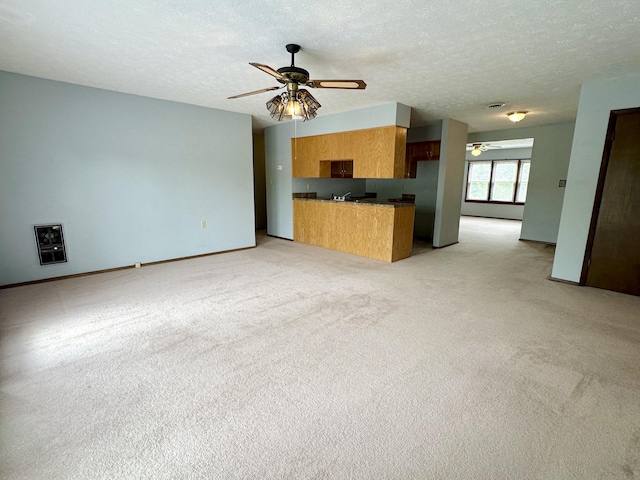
column 295, row 74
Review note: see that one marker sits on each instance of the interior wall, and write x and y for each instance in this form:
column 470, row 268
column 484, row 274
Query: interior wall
column 424, row 187
column 549, row 164
column 325, row 187
column 493, row 210
column 597, row 99
column 425, row 133
column 130, row 178
column 281, row 185
column 450, row 182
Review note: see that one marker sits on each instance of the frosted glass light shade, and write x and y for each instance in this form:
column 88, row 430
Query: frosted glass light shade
column 515, row 117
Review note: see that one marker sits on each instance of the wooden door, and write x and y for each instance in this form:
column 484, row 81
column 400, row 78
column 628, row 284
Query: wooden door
column 613, row 251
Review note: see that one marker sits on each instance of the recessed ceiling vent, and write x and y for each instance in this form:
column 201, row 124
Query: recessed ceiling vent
column 496, row 105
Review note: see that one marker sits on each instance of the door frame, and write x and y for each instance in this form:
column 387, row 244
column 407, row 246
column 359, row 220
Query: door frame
column 613, row 117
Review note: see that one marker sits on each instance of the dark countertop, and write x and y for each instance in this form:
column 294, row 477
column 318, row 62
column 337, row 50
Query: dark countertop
column 364, row 202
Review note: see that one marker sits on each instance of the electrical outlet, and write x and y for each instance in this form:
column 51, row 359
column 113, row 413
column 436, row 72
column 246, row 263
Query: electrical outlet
column 203, row 224
column 308, row 186
column 562, row 183
column 138, row 265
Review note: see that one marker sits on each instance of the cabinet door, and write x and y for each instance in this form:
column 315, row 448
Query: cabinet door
column 304, row 162
column 308, row 152
column 347, row 169
column 341, row 169
column 419, row 151
column 435, row 150
column 379, row 152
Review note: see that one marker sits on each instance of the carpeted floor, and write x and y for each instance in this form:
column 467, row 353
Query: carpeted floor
column 290, row 361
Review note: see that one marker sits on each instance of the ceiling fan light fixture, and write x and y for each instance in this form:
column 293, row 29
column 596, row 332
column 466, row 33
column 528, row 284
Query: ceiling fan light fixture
column 277, row 105
column 309, row 104
column 295, row 104
column 515, row 117
column 293, row 109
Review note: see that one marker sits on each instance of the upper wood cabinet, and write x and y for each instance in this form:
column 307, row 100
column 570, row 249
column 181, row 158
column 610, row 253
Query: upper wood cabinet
column 429, row 150
column 341, row 168
column 420, row 151
column 375, row 152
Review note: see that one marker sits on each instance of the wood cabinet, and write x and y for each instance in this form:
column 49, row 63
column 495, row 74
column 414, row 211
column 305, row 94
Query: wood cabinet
column 418, row 152
column 429, row 150
column 379, row 152
column 340, row 169
column 375, row 153
column 381, row 232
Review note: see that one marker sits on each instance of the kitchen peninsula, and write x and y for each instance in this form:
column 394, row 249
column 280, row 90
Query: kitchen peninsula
column 378, row 230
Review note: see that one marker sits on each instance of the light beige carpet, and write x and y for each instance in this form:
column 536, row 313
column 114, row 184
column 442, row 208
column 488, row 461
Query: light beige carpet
column 294, row 362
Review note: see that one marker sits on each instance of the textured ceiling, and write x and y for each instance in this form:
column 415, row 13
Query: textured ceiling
column 444, row 58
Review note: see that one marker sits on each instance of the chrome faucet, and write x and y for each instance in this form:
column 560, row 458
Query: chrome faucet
column 340, row 199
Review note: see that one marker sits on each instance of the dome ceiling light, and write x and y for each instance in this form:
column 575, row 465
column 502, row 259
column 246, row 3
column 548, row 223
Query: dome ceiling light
column 515, row 117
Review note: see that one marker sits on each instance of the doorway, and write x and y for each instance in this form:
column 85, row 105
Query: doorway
column 496, row 178
column 612, row 259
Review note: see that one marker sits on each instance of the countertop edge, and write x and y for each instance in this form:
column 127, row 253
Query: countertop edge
column 366, row 204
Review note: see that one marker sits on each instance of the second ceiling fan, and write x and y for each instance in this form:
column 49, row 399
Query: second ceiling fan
column 478, row 148
column 297, row 103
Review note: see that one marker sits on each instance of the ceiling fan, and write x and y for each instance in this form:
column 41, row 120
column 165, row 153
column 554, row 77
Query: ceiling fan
column 297, row 103
column 478, row 148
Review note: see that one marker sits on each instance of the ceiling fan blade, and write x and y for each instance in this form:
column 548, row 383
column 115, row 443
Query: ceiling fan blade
column 253, row 93
column 269, row 70
column 345, row 84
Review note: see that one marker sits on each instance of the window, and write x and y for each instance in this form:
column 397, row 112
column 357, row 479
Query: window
column 498, row 181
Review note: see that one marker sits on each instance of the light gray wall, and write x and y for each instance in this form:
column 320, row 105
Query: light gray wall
column 424, row 187
column 425, row 133
column 450, row 181
column 549, row 163
column 280, row 185
column 513, row 212
column 325, row 187
column 596, row 102
column 130, row 178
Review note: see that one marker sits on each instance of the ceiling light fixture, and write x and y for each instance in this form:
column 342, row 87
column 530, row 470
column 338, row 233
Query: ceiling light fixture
column 296, row 104
column 476, row 150
column 515, row 117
